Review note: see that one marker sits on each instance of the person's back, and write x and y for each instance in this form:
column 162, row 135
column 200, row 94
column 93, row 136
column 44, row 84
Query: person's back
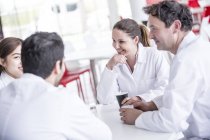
column 40, row 111
column 33, row 108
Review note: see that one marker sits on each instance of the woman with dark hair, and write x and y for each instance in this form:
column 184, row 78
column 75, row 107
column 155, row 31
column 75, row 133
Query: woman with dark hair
column 137, row 68
column 10, row 60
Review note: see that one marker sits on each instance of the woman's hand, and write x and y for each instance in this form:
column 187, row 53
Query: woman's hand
column 130, row 101
column 117, row 58
column 140, row 104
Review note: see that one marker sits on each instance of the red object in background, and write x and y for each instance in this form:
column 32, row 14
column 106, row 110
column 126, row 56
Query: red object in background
column 193, row 3
column 67, row 78
column 206, row 12
column 74, row 75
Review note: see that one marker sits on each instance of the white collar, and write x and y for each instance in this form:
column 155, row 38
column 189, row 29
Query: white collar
column 6, row 79
column 141, row 54
column 188, row 39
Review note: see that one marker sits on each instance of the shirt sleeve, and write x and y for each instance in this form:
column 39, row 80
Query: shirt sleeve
column 158, row 101
column 107, row 86
column 162, row 70
column 177, row 100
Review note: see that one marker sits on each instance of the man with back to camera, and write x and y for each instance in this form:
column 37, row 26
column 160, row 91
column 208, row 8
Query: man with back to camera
column 33, row 108
column 185, row 104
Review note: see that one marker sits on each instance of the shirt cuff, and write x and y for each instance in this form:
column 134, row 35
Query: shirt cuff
column 158, row 101
column 145, row 97
column 140, row 122
column 110, row 71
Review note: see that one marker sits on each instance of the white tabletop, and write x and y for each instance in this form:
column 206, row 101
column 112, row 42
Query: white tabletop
column 120, row 131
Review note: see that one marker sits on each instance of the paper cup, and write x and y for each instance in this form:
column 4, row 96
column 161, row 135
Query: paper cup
column 121, row 96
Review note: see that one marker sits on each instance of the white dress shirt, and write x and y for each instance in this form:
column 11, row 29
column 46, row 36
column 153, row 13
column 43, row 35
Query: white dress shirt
column 33, row 109
column 148, row 80
column 185, row 104
column 5, row 79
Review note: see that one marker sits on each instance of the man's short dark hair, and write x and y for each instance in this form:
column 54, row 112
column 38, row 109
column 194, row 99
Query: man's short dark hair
column 40, row 51
column 168, row 11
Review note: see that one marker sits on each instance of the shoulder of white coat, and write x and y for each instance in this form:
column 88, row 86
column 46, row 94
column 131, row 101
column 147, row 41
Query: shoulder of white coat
column 1, row 84
column 63, row 92
column 198, row 49
column 67, row 98
column 152, row 51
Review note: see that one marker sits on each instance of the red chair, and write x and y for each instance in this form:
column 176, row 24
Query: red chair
column 197, row 15
column 206, row 12
column 67, row 78
column 193, row 3
column 81, row 71
column 75, row 75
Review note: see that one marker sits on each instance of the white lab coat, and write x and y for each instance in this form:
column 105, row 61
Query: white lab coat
column 148, row 80
column 33, row 109
column 5, row 79
column 185, row 104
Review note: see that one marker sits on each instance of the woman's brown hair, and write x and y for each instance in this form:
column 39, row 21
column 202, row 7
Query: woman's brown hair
column 133, row 29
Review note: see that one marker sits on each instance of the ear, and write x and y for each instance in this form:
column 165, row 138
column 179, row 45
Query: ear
column 59, row 67
column 136, row 40
column 177, row 26
column 2, row 62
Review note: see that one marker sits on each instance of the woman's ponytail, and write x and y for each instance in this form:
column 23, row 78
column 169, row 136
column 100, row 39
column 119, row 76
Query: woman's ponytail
column 145, row 36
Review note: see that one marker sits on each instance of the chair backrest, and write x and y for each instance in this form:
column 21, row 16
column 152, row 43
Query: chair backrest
column 193, row 3
column 206, row 13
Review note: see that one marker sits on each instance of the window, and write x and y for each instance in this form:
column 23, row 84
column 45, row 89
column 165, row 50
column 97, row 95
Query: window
column 1, row 31
column 56, row 9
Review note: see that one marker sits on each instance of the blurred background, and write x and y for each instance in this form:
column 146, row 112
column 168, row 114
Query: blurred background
column 81, row 23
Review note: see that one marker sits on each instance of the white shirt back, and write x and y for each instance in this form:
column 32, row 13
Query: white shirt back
column 32, row 109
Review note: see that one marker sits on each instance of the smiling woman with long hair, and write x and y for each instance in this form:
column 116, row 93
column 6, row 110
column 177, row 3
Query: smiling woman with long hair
column 136, row 68
column 10, row 60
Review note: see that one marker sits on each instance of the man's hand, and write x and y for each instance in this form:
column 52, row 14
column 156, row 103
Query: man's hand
column 129, row 115
column 140, row 104
column 145, row 106
column 130, row 101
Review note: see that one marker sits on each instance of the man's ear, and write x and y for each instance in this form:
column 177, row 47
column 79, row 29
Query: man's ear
column 2, row 62
column 177, row 26
column 59, row 66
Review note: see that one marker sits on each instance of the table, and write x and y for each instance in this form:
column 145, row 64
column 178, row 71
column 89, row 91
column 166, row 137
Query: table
column 93, row 55
column 120, row 131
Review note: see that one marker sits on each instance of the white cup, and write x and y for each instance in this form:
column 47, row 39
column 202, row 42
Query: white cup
column 127, row 106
